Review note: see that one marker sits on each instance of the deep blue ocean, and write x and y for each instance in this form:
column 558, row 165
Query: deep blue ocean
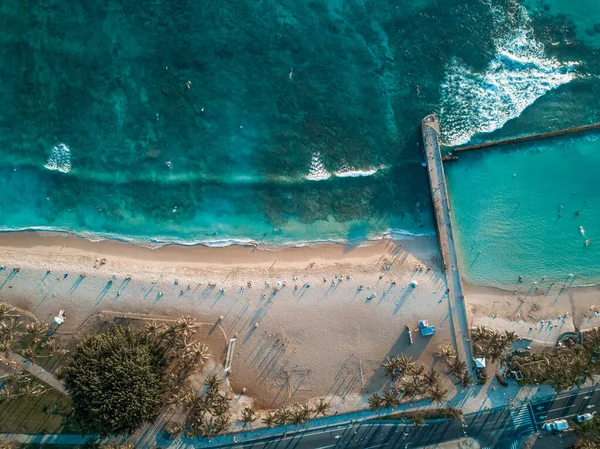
column 286, row 122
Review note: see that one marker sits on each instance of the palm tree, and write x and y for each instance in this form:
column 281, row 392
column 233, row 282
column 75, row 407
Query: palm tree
column 438, row 394
column 6, row 311
column 390, row 366
column 301, row 414
column 390, row 399
column 186, row 325
column 154, row 329
column 195, row 354
column 269, row 419
column 36, row 330
column 466, row 379
column 282, row 416
column 417, row 417
column 220, row 405
column 221, row 424
column 446, row 352
column 457, row 367
column 212, row 382
column 405, row 363
column 416, row 370
column 248, row 416
column 431, row 379
column 375, row 401
column 29, row 353
column 181, row 397
column 206, row 428
column 321, row 407
column 7, row 343
column 454, row 413
column 31, row 389
column 411, row 387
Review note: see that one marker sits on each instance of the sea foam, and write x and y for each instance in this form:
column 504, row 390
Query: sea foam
column 317, row 171
column 518, row 75
column 59, row 159
column 350, row 172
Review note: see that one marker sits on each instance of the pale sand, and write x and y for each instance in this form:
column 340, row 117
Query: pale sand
column 319, row 341
column 501, row 309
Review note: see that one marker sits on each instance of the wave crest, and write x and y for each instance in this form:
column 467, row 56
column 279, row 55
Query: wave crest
column 317, row 171
column 59, row 159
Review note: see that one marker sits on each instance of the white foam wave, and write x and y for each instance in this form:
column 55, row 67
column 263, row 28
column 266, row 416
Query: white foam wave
column 59, row 159
column 518, row 75
column 350, row 172
column 317, row 171
column 157, row 242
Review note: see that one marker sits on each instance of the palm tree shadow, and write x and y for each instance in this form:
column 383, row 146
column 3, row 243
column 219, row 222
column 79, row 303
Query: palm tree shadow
column 403, row 299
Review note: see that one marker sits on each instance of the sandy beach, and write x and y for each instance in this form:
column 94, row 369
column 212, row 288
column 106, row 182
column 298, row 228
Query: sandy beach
column 562, row 310
column 310, row 321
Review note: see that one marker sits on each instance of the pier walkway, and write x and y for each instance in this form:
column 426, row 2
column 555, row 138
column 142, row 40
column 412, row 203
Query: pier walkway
column 441, row 206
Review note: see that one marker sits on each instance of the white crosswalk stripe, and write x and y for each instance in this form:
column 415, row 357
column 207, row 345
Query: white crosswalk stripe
column 521, row 418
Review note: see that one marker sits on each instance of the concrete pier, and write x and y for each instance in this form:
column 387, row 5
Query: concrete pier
column 441, row 206
column 562, row 132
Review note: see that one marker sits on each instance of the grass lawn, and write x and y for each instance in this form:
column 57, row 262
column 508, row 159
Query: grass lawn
column 25, row 414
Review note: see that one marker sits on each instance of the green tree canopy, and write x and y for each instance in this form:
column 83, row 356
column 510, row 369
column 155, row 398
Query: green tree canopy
column 115, row 381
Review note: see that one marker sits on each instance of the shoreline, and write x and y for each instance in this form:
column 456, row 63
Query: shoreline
column 157, row 243
column 47, row 242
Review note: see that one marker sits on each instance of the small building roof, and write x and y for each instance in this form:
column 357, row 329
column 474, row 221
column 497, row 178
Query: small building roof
column 479, row 362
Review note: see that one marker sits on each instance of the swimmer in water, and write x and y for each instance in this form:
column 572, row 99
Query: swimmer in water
column 587, row 243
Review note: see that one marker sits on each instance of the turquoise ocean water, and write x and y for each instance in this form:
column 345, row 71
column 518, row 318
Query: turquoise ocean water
column 276, row 121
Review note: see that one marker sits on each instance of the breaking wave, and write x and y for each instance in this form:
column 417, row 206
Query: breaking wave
column 518, row 75
column 317, row 171
column 59, row 159
column 350, row 172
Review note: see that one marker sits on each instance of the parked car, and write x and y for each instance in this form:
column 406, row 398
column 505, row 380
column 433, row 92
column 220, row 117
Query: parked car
column 585, row 417
column 559, row 425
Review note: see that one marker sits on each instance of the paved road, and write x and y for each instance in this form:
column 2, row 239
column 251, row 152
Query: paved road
column 503, row 427
column 566, row 406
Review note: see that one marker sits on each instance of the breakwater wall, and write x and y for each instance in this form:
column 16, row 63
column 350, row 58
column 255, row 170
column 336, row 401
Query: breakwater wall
column 478, row 146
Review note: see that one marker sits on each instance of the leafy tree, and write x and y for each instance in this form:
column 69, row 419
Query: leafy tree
column 115, row 381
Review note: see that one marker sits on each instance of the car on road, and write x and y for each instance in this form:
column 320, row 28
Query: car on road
column 559, row 425
column 585, row 417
